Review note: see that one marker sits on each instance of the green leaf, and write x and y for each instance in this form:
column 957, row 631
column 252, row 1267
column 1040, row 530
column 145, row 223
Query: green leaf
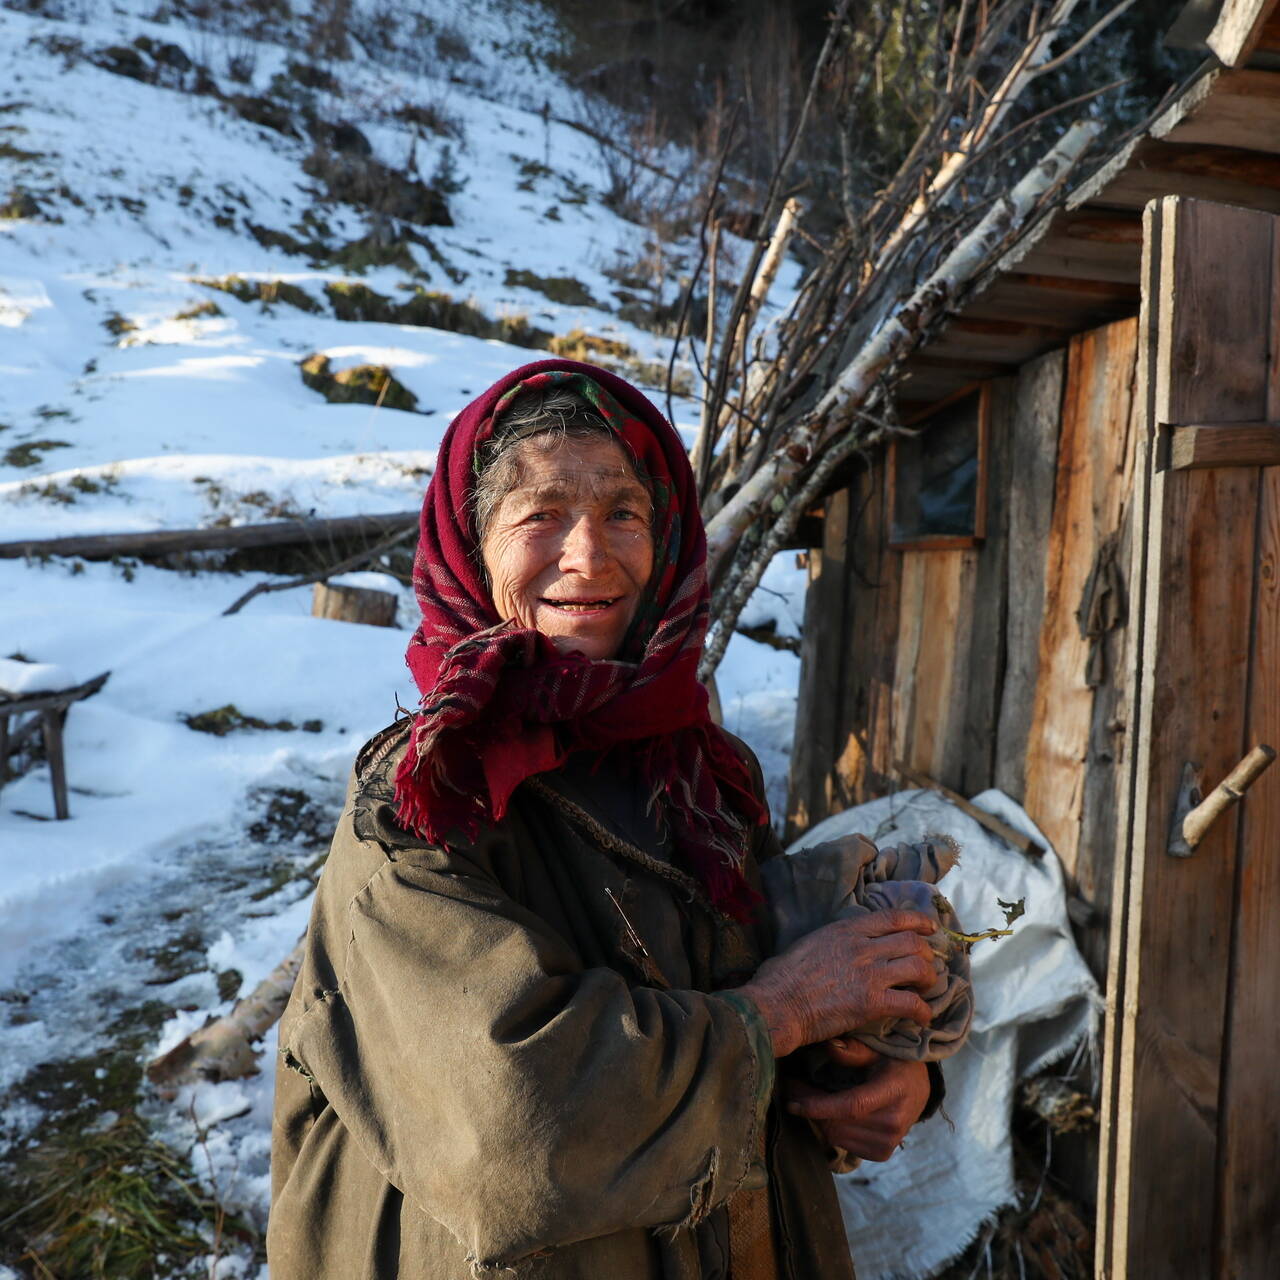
column 1013, row 910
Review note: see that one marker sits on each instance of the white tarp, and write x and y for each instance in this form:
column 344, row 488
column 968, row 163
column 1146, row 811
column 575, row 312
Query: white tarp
column 1036, row 1002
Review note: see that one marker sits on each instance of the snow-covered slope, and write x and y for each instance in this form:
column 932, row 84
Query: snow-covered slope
column 142, row 152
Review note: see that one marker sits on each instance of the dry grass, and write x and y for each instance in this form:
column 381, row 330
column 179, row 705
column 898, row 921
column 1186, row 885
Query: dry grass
column 113, row 1203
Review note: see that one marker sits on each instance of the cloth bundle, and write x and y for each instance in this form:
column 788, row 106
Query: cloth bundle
column 849, row 877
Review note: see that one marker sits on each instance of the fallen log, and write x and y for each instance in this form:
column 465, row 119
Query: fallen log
column 157, row 542
column 223, row 1049
column 353, row 604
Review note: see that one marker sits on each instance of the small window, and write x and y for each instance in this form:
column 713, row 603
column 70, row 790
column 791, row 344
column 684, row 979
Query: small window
column 939, row 476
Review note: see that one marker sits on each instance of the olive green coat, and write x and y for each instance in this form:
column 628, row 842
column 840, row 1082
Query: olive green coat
column 507, row 1057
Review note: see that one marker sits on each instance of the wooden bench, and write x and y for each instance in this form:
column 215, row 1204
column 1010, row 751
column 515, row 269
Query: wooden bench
column 51, row 708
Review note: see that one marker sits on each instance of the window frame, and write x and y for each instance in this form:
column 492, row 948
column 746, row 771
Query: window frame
column 946, row 542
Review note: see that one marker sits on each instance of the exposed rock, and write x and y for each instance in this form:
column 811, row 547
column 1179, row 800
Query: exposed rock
column 361, row 384
column 357, row 302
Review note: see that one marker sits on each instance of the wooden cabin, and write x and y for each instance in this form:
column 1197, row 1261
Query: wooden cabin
column 1066, row 585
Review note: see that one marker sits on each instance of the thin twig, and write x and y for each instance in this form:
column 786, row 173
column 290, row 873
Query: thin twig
column 351, row 562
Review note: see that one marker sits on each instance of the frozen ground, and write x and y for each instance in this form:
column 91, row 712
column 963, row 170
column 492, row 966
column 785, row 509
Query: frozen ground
column 184, row 873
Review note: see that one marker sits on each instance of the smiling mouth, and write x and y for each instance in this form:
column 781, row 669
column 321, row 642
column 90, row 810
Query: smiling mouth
column 581, row 606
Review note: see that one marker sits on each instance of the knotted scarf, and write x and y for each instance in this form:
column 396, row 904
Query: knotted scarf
column 501, row 704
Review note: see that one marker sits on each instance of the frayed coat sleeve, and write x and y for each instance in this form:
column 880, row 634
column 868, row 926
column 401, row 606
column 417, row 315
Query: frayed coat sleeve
column 519, row 1098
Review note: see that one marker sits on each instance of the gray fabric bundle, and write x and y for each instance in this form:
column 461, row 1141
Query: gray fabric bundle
column 850, row 877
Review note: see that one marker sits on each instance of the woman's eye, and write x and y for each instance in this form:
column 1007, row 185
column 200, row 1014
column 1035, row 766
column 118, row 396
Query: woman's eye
column 625, row 513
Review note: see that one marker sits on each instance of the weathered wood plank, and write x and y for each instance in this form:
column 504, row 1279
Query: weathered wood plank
column 1242, row 111
column 1115, row 1128
column 818, row 697
column 1205, row 172
column 1033, row 459
column 983, row 676
column 1250, row 444
column 1239, row 26
column 1213, row 330
column 1270, row 37
column 911, row 607
column 871, row 620
column 945, row 648
column 1095, row 456
column 1248, row 1189
column 935, row 625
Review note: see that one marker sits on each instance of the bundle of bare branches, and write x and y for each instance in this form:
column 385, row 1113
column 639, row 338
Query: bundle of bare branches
column 788, row 399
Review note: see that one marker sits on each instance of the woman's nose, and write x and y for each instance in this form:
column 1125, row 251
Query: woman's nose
column 584, row 549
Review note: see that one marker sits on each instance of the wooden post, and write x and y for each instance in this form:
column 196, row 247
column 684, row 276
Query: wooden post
column 52, row 719
column 354, row 604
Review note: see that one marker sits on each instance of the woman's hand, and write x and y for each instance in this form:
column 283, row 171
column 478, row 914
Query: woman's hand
column 869, row 1120
column 845, row 975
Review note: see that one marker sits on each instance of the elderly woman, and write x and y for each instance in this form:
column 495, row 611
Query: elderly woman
column 536, row 1030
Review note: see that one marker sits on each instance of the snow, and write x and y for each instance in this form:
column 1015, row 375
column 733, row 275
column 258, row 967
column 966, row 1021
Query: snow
column 33, row 677
column 119, row 412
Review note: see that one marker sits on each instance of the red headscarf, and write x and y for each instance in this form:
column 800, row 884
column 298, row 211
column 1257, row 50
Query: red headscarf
column 500, row 703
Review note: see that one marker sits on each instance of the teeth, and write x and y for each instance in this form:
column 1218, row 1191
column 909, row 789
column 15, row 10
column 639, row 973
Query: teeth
column 580, row 606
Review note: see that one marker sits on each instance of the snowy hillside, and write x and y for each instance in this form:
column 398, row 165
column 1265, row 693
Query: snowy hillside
column 189, row 210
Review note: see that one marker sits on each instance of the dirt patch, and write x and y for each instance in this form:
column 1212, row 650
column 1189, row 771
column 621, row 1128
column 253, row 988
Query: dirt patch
column 377, row 249
column 360, row 384
column 578, row 344
column 229, row 719
column 289, row 815
column 562, row 289
column 207, row 310
column 31, row 452
column 268, row 292
column 369, row 184
column 117, row 325
column 272, row 238
column 264, row 112
column 20, row 204
column 430, row 309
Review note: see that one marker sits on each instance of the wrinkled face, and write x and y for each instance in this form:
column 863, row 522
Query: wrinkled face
column 569, row 548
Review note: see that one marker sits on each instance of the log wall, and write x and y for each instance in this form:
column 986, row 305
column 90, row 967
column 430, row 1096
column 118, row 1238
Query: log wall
column 995, row 665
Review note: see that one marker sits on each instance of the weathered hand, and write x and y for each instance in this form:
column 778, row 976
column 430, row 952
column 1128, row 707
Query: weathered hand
column 846, row 975
column 869, row 1120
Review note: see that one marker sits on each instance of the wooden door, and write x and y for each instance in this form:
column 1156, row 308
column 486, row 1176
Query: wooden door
column 1189, row 1182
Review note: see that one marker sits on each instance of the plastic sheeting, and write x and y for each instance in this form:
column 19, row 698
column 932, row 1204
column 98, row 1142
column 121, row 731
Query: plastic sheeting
column 1036, row 1003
